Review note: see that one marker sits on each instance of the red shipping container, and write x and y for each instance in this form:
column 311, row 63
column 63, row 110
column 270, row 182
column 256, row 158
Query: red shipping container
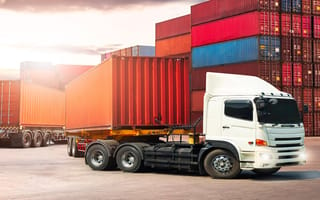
column 287, row 74
column 297, row 74
column 316, row 124
column 217, row 9
column 173, row 27
column 288, row 90
column 316, row 94
column 308, row 98
column 291, row 49
column 306, row 27
column 307, row 75
column 308, row 124
column 31, row 105
column 240, row 26
column 297, row 94
column 307, row 50
column 317, row 75
column 316, row 27
column 316, row 7
column 173, row 46
column 197, row 100
column 306, row 6
column 130, row 92
column 291, row 25
column 269, row 71
column 194, row 117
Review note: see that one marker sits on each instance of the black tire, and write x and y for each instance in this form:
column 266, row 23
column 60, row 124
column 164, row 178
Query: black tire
column 129, row 159
column 266, row 172
column 26, row 139
column 69, row 146
column 74, row 149
column 37, row 139
column 46, row 139
column 98, row 158
column 221, row 164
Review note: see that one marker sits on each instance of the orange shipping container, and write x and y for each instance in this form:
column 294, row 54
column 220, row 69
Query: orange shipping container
column 174, row 46
column 30, row 105
column 130, row 92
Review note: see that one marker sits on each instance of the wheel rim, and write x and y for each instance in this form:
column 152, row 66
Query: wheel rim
column 27, row 139
column 38, row 139
column 128, row 159
column 222, row 164
column 97, row 158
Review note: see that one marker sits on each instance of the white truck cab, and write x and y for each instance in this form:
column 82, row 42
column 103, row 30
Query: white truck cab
column 260, row 124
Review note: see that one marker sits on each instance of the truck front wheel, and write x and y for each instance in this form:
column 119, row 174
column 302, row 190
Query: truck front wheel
column 98, row 158
column 128, row 159
column 221, row 164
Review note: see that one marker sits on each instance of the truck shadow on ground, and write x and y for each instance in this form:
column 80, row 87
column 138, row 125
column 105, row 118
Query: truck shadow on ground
column 282, row 176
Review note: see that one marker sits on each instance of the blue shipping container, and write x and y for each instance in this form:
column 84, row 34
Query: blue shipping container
column 264, row 48
column 291, row 6
column 143, row 51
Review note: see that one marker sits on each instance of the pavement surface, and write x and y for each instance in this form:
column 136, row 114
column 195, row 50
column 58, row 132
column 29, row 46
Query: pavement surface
column 47, row 173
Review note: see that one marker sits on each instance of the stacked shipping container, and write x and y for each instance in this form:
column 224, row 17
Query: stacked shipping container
column 173, row 37
column 277, row 40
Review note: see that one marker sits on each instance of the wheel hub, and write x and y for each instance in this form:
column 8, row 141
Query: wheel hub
column 97, row 158
column 128, row 159
column 222, row 164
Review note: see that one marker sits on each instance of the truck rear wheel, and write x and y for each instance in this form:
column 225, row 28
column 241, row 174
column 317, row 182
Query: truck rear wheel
column 266, row 172
column 26, row 139
column 128, row 159
column 221, row 164
column 46, row 139
column 98, row 158
column 74, row 148
column 37, row 139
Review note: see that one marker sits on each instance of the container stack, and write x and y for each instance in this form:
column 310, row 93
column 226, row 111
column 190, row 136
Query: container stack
column 276, row 40
column 173, row 37
column 138, row 50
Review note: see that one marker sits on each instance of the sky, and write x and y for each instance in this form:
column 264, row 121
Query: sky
column 77, row 31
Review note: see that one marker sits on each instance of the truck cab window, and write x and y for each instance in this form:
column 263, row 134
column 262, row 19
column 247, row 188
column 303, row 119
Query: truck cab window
column 240, row 109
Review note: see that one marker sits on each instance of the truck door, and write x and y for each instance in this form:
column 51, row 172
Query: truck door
column 238, row 124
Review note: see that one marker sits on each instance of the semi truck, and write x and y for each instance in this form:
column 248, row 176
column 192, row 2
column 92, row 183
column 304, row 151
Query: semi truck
column 30, row 114
column 127, row 109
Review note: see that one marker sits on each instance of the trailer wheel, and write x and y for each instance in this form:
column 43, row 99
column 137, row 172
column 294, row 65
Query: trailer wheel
column 98, row 158
column 128, row 159
column 37, row 139
column 69, row 146
column 74, row 148
column 26, row 139
column 266, row 172
column 46, row 139
column 221, row 164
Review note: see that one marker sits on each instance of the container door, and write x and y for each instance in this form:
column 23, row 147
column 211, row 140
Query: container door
column 238, row 124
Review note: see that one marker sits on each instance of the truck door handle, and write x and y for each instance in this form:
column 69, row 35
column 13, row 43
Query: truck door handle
column 226, row 127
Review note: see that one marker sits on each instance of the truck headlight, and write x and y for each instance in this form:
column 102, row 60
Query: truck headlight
column 303, row 156
column 265, row 156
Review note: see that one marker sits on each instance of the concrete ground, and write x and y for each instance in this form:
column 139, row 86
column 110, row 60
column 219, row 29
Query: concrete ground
column 48, row 173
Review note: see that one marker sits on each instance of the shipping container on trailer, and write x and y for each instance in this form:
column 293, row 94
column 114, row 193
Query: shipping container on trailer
column 240, row 26
column 236, row 51
column 316, row 95
column 30, row 114
column 130, row 92
column 316, row 75
column 316, row 7
column 173, row 27
column 174, row 46
column 291, row 6
column 307, row 75
column 308, row 123
column 217, row 9
column 269, row 71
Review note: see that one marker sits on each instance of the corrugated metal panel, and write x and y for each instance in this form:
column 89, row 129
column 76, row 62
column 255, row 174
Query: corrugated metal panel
column 291, row 49
column 307, row 75
column 237, row 51
column 217, row 9
column 306, row 27
column 174, row 46
column 316, row 124
column 269, row 71
column 316, row 51
column 173, row 27
column 287, row 74
column 291, row 25
column 316, row 27
column 317, row 75
column 316, row 93
column 197, row 100
column 41, row 106
column 9, row 103
column 316, row 7
column 308, row 124
column 308, row 98
column 289, row 6
column 307, row 50
column 130, row 92
column 297, row 74
column 297, row 94
column 306, row 7
column 240, row 26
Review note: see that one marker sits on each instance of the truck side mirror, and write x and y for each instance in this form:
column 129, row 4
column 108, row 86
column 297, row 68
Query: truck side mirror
column 305, row 108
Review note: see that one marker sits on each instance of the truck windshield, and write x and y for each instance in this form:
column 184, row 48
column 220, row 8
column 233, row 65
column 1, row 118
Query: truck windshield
column 278, row 111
